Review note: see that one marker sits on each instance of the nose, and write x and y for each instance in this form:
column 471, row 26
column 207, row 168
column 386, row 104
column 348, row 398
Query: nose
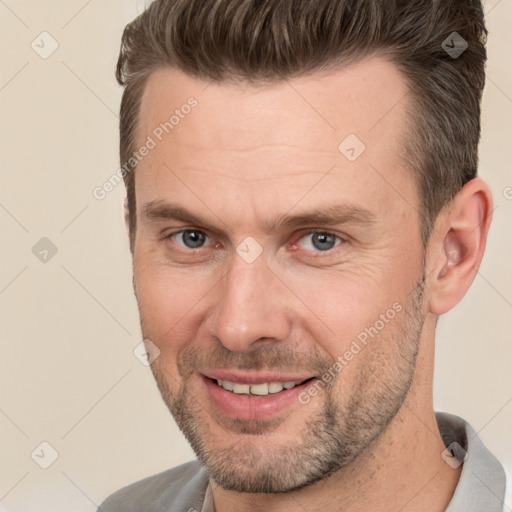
column 252, row 306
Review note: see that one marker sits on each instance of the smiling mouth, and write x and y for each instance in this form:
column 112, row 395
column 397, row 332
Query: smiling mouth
column 260, row 389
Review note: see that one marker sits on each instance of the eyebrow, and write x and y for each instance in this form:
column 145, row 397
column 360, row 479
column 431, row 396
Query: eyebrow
column 330, row 215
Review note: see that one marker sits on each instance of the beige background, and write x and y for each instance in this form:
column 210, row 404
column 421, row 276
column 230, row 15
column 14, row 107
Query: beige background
column 69, row 326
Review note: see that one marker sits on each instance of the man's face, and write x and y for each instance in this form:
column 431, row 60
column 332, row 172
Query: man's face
column 265, row 253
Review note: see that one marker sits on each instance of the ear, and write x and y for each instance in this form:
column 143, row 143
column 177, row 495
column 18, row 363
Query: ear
column 457, row 245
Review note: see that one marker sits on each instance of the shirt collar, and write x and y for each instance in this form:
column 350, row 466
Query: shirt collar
column 208, row 505
column 482, row 480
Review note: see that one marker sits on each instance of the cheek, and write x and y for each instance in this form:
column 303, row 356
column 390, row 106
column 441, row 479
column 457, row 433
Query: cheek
column 345, row 301
column 169, row 303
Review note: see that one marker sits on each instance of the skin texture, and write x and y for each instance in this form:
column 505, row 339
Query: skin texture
column 244, row 158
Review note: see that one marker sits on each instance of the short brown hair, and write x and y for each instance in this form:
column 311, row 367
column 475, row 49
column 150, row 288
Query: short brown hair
column 270, row 40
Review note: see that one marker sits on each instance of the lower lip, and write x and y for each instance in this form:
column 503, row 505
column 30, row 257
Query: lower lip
column 250, row 407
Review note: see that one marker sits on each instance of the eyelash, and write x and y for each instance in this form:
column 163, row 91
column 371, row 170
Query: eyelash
column 318, row 253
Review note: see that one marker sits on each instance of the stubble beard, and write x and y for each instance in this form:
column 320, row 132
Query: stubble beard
column 252, row 459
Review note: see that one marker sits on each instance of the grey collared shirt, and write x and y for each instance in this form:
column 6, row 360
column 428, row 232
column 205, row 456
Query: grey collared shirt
column 482, row 482
column 186, row 488
column 208, row 505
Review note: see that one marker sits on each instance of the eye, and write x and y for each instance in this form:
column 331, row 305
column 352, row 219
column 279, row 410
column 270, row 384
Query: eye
column 319, row 241
column 190, row 238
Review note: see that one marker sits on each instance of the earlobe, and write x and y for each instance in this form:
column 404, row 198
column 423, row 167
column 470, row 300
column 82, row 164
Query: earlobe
column 459, row 243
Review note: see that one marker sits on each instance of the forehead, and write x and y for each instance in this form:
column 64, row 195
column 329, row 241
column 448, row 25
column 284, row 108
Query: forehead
column 286, row 134
column 353, row 99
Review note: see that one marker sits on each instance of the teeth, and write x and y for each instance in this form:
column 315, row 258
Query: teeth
column 227, row 385
column 275, row 387
column 257, row 389
column 241, row 389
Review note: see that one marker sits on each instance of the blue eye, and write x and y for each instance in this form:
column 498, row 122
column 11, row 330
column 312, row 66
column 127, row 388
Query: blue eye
column 320, row 241
column 190, row 238
column 316, row 241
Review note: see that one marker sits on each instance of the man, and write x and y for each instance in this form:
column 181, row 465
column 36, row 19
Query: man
column 303, row 205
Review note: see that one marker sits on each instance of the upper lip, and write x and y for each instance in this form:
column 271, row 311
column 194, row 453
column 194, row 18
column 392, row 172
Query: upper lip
column 241, row 377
